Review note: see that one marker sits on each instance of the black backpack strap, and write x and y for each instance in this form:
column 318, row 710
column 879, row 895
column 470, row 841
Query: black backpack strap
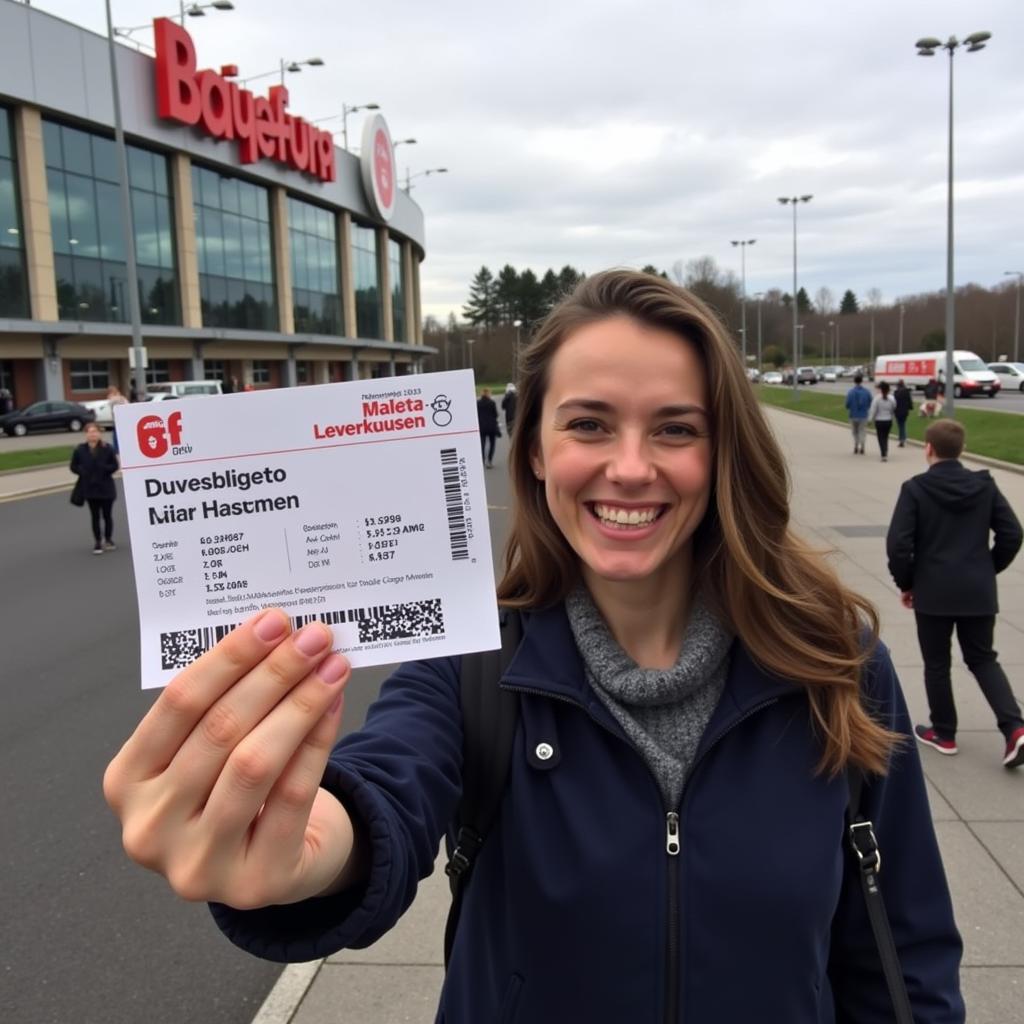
column 489, row 719
column 861, row 834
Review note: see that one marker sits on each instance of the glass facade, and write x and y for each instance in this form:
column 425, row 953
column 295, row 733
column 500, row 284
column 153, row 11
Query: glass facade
column 366, row 281
column 89, row 374
column 236, row 260
column 13, row 279
column 316, row 289
column 88, row 232
column 397, row 288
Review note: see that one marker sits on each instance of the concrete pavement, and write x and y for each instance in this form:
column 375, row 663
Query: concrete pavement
column 843, row 503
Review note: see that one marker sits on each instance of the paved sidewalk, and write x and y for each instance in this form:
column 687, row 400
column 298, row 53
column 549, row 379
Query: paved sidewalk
column 39, row 480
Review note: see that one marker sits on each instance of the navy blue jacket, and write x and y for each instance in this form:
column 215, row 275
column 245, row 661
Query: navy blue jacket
column 577, row 912
column 858, row 402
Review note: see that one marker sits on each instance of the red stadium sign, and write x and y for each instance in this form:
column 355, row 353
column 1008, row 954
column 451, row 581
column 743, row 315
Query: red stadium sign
column 224, row 110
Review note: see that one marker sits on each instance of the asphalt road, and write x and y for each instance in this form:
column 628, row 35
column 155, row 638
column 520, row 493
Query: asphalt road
column 86, row 936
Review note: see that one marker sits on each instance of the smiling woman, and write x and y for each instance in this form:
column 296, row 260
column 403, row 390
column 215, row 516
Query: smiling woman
column 690, row 688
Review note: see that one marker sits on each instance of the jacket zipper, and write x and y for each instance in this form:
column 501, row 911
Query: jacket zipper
column 673, row 840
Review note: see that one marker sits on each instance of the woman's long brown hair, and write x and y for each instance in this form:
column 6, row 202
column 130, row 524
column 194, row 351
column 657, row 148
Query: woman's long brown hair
column 780, row 596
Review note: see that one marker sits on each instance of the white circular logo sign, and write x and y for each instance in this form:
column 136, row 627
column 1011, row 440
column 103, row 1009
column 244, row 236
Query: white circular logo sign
column 378, row 167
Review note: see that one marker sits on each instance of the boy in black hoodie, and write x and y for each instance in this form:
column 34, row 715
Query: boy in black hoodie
column 939, row 556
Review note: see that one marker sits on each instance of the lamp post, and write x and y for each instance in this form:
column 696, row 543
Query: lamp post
column 831, row 340
column 134, row 311
column 926, row 48
column 517, row 324
column 345, row 111
column 1019, row 274
column 421, row 174
column 199, row 10
column 759, row 296
column 902, row 312
column 743, row 291
column 795, row 201
column 285, row 67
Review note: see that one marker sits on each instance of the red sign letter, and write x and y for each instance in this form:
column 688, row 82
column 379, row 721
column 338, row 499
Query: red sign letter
column 176, row 93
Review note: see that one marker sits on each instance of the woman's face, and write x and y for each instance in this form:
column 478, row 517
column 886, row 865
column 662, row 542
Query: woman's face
column 624, row 448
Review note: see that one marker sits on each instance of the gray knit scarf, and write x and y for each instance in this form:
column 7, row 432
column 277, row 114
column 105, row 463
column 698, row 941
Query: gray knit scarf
column 663, row 711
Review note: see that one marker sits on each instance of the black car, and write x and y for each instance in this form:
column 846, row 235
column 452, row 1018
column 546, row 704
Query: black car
column 46, row 416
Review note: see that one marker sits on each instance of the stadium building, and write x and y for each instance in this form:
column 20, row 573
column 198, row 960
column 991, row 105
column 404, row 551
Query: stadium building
column 267, row 256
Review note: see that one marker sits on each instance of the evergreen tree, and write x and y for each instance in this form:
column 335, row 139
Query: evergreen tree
column 652, row 270
column 549, row 289
column 481, row 310
column 803, row 302
column 849, row 303
column 507, row 294
column 568, row 278
column 530, row 306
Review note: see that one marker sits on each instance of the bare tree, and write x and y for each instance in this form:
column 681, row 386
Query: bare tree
column 677, row 272
column 824, row 301
column 874, row 298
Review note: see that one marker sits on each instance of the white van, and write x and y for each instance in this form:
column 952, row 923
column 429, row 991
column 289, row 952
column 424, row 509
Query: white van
column 970, row 375
column 183, row 389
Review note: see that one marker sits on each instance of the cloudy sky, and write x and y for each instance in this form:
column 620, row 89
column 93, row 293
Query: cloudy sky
column 605, row 133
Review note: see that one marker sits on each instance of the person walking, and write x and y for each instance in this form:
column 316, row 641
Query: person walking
column 904, row 404
column 487, row 415
column 691, row 686
column 882, row 413
column 939, row 556
column 931, row 406
column 858, row 404
column 508, row 405
column 115, row 398
column 94, row 463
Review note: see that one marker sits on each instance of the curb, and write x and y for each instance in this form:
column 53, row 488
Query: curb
column 288, row 992
column 985, row 460
column 32, row 469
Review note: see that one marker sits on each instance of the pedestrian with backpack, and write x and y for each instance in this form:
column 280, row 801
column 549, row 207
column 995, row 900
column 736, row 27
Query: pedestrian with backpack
column 698, row 744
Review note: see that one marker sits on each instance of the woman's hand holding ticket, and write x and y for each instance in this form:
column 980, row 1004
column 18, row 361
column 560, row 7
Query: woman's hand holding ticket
column 218, row 788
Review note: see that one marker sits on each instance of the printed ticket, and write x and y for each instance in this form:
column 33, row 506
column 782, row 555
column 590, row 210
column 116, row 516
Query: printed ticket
column 361, row 504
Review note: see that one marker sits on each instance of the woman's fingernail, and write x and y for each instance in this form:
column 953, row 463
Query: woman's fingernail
column 312, row 638
column 332, row 668
column 270, row 625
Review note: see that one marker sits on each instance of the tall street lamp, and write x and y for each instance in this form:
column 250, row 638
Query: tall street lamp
column 421, row 174
column 902, row 313
column 759, row 296
column 743, row 292
column 926, row 48
column 345, row 111
column 285, row 67
column 795, row 201
column 199, row 10
column 517, row 324
column 1016, row 320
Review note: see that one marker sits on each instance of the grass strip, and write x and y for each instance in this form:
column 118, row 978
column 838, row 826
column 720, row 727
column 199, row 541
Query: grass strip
column 997, row 435
column 29, row 457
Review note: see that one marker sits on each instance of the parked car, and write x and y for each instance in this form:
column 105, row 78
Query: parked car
column 1010, row 375
column 771, row 377
column 804, row 375
column 832, row 373
column 46, row 416
column 184, row 388
column 753, row 375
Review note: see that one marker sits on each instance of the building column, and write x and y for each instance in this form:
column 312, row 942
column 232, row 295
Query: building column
column 282, row 264
column 35, row 215
column 322, row 371
column 417, row 304
column 384, row 282
column 185, row 242
column 53, row 376
column 291, row 375
column 354, row 362
column 348, row 287
column 196, row 368
column 408, row 299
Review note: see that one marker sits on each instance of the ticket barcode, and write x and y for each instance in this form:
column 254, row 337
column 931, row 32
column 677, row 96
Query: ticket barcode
column 412, row 620
column 453, row 504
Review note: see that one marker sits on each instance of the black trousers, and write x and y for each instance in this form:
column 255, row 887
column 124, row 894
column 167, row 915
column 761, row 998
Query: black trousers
column 882, row 428
column 96, row 507
column 487, row 443
column 934, row 634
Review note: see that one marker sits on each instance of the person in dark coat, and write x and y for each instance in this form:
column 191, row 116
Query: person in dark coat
column 487, row 415
column 692, row 685
column 508, row 406
column 904, row 404
column 939, row 556
column 94, row 463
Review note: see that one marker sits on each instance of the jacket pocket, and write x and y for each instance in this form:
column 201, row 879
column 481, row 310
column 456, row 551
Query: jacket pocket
column 510, row 1003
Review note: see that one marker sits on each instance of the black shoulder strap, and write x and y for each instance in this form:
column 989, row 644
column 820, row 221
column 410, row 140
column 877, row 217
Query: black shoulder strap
column 489, row 719
column 861, row 834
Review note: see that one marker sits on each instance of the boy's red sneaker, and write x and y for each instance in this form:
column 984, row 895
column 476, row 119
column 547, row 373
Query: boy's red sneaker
column 932, row 739
column 1015, row 749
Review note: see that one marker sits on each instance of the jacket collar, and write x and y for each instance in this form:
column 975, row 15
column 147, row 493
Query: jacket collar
column 548, row 662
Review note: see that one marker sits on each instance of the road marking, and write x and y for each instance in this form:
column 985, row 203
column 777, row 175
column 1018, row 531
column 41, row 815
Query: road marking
column 22, row 495
column 288, row 992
